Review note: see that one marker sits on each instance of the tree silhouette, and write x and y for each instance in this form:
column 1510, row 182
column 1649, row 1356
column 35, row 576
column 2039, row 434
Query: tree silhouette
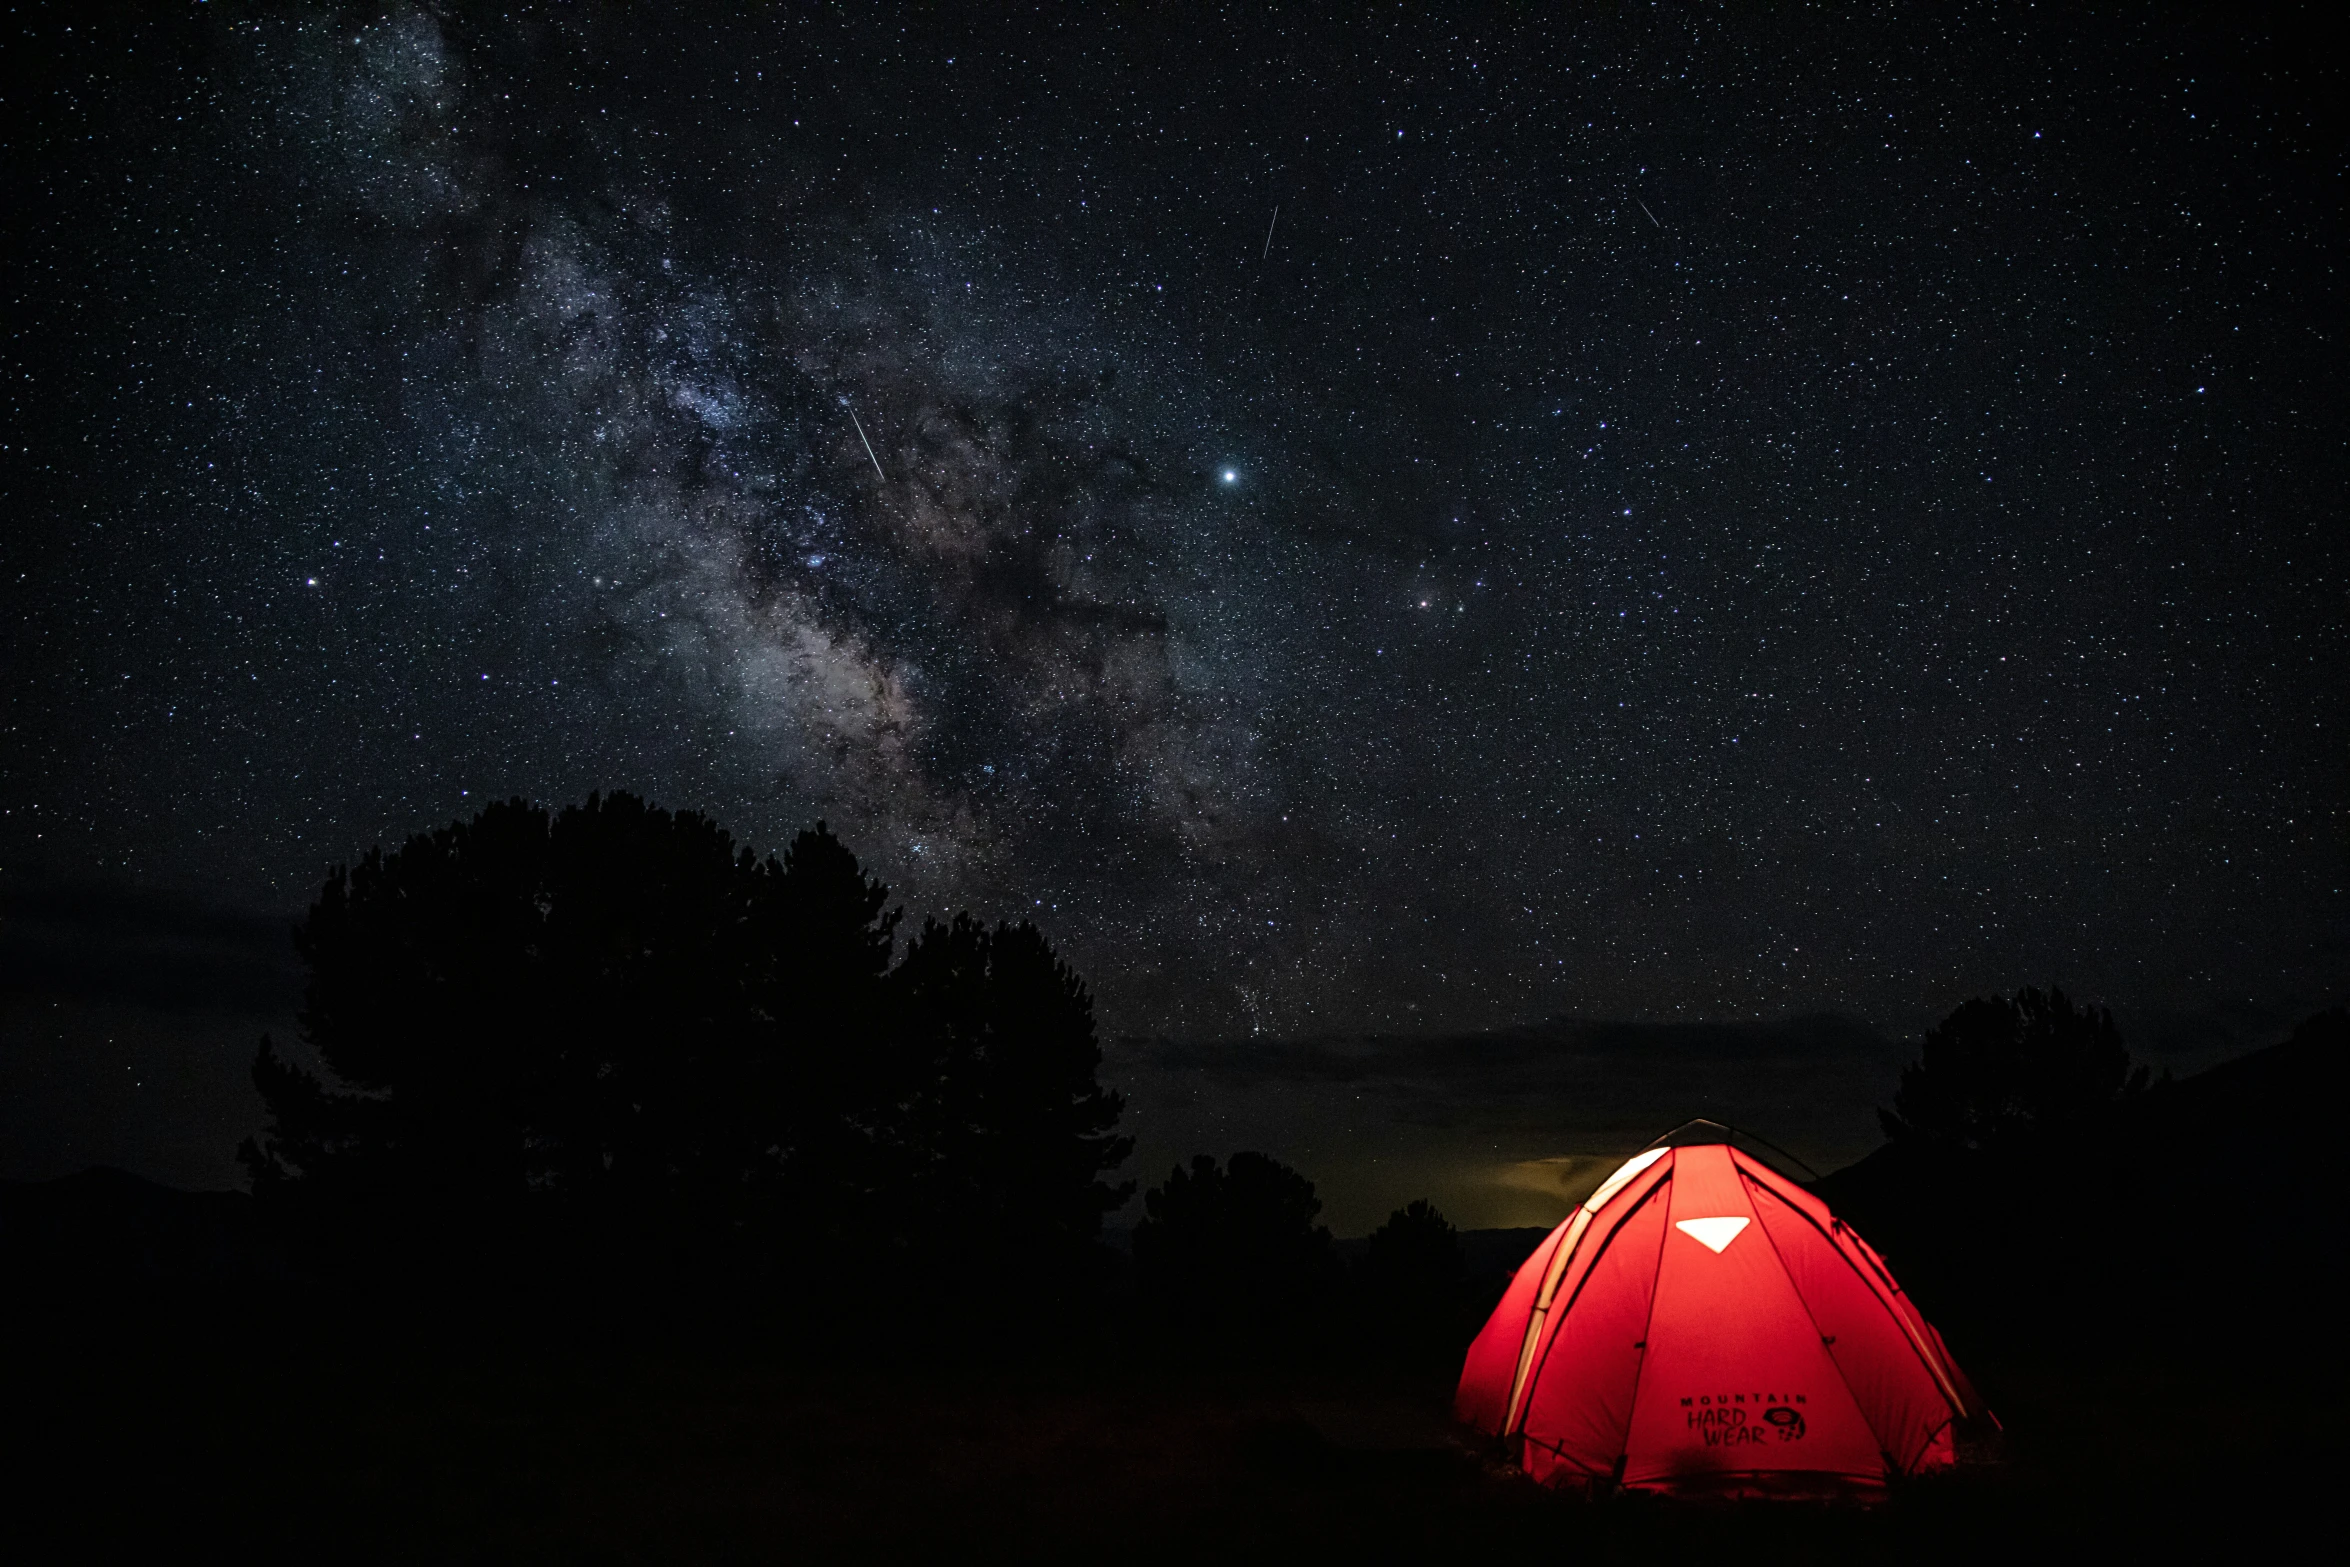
column 1233, row 1255
column 1008, row 1129
column 2211, row 1216
column 614, row 1024
column 2001, row 1074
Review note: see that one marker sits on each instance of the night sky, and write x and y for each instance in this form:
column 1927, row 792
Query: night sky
column 1408, row 523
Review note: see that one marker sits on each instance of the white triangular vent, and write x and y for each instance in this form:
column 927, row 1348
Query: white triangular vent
column 1712, row 1234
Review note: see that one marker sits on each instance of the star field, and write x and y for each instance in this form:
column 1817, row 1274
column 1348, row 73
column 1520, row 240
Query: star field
column 1680, row 514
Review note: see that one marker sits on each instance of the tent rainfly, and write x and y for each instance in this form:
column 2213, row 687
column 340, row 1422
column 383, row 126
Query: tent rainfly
column 1703, row 1326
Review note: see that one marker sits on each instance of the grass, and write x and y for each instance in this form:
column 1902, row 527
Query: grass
column 125, row 1440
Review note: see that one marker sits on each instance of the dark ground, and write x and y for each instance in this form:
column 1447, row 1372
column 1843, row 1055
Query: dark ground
column 125, row 1440
column 2155, row 1321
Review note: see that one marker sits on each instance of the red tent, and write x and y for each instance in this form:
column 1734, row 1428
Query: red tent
column 1704, row 1326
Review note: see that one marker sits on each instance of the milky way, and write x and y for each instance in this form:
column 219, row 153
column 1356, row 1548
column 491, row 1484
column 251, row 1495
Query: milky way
column 1678, row 517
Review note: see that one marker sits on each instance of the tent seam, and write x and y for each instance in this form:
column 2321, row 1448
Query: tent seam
column 1926, row 1356
column 1571, row 1232
column 1827, row 1345
column 1647, row 1325
column 1931, row 1356
column 1558, row 1316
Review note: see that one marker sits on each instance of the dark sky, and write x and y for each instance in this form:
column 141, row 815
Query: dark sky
column 1685, row 514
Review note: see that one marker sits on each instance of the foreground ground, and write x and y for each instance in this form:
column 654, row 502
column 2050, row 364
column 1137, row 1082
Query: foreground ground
column 125, row 1439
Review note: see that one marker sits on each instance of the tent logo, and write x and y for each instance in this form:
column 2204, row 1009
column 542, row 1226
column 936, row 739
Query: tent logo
column 1726, row 1419
column 1712, row 1234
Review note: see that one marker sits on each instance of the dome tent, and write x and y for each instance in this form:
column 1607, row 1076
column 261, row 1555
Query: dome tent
column 1703, row 1326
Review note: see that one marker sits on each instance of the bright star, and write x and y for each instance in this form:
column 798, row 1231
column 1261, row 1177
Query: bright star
column 1232, row 476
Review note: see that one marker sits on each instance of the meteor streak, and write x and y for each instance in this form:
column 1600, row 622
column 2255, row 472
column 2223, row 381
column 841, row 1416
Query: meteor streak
column 860, row 424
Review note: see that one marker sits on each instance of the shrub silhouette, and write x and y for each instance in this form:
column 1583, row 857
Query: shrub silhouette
column 1415, row 1283
column 1999, row 1074
column 614, row 1028
column 1231, row 1256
